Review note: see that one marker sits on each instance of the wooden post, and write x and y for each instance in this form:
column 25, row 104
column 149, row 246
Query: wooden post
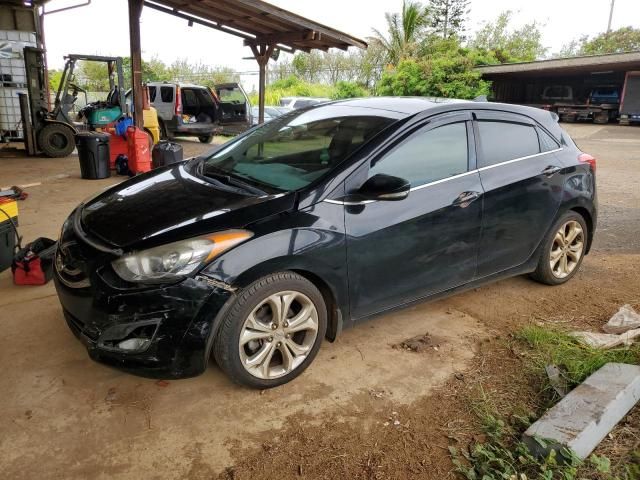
column 262, row 53
column 135, row 10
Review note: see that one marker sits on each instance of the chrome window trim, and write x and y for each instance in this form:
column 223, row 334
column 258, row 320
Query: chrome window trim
column 477, row 170
column 507, row 162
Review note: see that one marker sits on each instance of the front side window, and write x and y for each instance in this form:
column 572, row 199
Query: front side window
column 427, row 156
column 504, row 141
column 293, row 150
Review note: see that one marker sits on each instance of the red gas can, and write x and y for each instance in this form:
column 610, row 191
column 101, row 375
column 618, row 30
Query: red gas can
column 139, row 150
column 117, row 146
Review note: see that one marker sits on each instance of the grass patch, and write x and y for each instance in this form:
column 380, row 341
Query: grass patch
column 554, row 347
column 500, row 454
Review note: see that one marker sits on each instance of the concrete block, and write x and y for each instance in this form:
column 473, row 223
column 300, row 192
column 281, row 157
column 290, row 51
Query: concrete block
column 588, row 413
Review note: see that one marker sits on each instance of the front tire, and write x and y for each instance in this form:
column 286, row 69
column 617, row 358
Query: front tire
column 205, row 138
column 56, row 140
column 563, row 250
column 272, row 331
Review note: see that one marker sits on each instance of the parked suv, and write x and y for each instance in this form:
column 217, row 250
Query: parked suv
column 314, row 222
column 195, row 111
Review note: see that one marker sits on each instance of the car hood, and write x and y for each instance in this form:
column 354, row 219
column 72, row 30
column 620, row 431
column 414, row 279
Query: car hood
column 172, row 204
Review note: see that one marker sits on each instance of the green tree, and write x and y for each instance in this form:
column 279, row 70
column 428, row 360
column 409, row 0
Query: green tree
column 447, row 71
column 625, row 39
column 55, row 76
column 507, row 44
column 404, row 31
column 348, row 90
column 448, row 16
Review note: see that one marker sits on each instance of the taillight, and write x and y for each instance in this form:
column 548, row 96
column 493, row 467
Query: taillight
column 586, row 158
column 178, row 101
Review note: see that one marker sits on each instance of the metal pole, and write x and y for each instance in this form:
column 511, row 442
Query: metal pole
column 613, row 2
column 135, row 9
column 262, row 84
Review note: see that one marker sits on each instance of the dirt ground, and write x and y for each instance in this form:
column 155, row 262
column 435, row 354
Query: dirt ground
column 367, row 407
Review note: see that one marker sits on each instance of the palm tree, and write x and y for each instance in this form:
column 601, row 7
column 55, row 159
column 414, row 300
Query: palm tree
column 404, row 31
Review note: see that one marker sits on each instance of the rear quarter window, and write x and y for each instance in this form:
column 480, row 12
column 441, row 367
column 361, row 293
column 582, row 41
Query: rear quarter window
column 504, row 141
column 166, row 94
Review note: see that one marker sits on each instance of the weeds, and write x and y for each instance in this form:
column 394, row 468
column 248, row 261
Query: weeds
column 501, row 455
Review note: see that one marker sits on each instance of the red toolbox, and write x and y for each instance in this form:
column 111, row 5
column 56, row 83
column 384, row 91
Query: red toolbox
column 139, row 150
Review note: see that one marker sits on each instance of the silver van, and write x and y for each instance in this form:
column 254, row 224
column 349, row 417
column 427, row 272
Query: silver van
column 186, row 110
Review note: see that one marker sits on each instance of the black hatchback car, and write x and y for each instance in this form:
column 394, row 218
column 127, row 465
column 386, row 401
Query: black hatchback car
column 315, row 221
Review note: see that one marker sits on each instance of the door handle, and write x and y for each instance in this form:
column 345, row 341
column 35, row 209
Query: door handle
column 465, row 199
column 551, row 170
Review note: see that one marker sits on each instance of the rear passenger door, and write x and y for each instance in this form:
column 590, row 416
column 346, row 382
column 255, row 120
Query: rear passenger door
column 522, row 180
column 163, row 101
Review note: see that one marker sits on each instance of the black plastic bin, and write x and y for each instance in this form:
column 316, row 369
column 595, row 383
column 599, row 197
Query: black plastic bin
column 7, row 244
column 166, row 153
column 93, row 153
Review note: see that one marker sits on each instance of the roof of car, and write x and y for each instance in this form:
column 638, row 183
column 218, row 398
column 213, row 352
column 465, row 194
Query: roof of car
column 406, row 105
column 180, row 84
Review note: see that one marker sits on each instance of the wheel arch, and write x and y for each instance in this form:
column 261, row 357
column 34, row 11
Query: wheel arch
column 588, row 218
column 335, row 310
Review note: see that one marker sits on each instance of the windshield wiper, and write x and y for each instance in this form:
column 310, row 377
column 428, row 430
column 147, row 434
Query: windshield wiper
column 223, row 176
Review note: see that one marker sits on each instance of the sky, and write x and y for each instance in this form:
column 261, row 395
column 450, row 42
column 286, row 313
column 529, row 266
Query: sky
column 102, row 28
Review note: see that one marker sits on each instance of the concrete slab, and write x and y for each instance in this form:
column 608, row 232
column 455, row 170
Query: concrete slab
column 586, row 415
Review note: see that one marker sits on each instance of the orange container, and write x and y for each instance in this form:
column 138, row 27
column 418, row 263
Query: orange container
column 139, row 150
column 117, row 146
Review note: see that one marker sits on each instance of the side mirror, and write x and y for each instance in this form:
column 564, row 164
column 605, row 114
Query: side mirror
column 385, row 187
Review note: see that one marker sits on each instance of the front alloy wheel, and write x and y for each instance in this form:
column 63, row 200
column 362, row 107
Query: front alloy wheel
column 278, row 335
column 271, row 331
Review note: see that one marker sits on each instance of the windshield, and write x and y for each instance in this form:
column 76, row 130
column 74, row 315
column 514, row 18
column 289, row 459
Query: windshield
column 293, row 150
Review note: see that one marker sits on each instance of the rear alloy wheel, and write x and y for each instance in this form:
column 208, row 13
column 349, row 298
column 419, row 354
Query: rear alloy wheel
column 272, row 332
column 205, row 138
column 56, row 140
column 564, row 250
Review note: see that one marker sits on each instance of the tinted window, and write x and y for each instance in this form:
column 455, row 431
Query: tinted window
column 152, row 94
column 427, row 156
column 502, row 141
column 166, row 94
column 546, row 142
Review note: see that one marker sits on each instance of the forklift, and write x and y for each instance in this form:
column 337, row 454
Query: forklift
column 52, row 132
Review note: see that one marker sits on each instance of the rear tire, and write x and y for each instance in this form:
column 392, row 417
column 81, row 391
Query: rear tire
column 563, row 250
column 205, row 138
column 56, row 140
column 256, row 346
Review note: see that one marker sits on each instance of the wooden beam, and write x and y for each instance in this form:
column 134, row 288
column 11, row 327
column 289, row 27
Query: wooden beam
column 135, row 9
column 285, row 38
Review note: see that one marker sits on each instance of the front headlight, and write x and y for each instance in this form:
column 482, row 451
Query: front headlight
column 168, row 263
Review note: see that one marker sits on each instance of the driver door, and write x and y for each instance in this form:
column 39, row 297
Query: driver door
column 400, row 251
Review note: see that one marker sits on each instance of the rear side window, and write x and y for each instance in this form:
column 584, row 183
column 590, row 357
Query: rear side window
column 166, row 94
column 152, row 94
column 427, row 156
column 546, row 142
column 504, row 141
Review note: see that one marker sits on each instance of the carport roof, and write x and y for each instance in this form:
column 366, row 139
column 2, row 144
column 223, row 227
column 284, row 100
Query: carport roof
column 566, row 66
column 259, row 23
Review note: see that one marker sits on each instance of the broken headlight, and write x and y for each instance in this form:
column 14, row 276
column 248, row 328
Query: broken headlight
column 171, row 262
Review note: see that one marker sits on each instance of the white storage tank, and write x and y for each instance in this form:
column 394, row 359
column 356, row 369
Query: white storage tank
column 13, row 80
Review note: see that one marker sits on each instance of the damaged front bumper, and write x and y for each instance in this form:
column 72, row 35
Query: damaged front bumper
column 159, row 332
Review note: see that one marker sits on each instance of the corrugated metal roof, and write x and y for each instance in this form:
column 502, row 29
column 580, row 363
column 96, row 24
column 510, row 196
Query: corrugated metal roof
column 623, row 61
